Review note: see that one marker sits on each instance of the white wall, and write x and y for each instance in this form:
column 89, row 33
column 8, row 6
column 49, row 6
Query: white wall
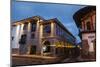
column 15, row 33
column 90, row 37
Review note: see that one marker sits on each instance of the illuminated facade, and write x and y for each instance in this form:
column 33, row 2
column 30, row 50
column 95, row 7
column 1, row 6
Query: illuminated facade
column 86, row 21
column 36, row 35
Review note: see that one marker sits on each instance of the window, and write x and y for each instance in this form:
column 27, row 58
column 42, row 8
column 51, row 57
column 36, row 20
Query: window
column 25, row 26
column 23, row 39
column 57, row 30
column 32, row 49
column 88, row 25
column 12, row 38
column 33, row 27
column 32, row 35
column 60, row 31
column 47, row 29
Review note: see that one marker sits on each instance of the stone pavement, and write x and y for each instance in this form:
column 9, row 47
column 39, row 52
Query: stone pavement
column 18, row 60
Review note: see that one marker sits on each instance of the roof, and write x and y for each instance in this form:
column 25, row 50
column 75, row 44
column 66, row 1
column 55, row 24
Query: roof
column 28, row 19
column 81, row 13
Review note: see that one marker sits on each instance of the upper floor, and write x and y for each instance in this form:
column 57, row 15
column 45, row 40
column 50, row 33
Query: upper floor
column 85, row 19
column 37, row 27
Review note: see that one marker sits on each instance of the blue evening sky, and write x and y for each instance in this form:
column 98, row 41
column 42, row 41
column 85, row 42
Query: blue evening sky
column 63, row 12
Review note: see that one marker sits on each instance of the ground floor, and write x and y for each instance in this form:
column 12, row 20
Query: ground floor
column 58, row 52
column 45, row 47
column 22, row 60
column 33, row 60
column 89, row 45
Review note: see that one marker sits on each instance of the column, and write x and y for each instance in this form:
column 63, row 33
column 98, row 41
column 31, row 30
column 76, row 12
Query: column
column 53, row 33
column 53, row 28
column 20, row 32
column 84, row 25
column 53, row 49
column 92, row 28
column 38, row 40
column 28, row 38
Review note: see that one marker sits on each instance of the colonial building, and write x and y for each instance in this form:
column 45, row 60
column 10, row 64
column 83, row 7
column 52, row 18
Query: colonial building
column 85, row 20
column 35, row 35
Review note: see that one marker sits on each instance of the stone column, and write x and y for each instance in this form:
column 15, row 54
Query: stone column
column 52, row 29
column 16, row 33
column 19, row 36
column 38, row 41
column 53, row 33
column 92, row 23
column 53, row 50
column 21, row 30
column 28, row 37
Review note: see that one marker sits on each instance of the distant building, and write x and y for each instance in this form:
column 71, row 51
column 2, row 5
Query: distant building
column 85, row 20
column 35, row 35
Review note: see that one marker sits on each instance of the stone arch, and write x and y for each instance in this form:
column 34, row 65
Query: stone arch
column 46, row 46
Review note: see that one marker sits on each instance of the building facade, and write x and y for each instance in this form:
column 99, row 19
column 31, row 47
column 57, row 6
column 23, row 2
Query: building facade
column 86, row 21
column 35, row 35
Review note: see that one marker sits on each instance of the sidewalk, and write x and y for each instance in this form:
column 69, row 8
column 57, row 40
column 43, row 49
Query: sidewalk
column 34, row 56
column 33, row 59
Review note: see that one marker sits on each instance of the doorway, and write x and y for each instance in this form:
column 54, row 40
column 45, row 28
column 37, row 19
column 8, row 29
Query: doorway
column 46, row 47
column 33, row 49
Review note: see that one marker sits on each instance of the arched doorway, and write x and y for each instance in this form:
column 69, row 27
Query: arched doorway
column 46, row 47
